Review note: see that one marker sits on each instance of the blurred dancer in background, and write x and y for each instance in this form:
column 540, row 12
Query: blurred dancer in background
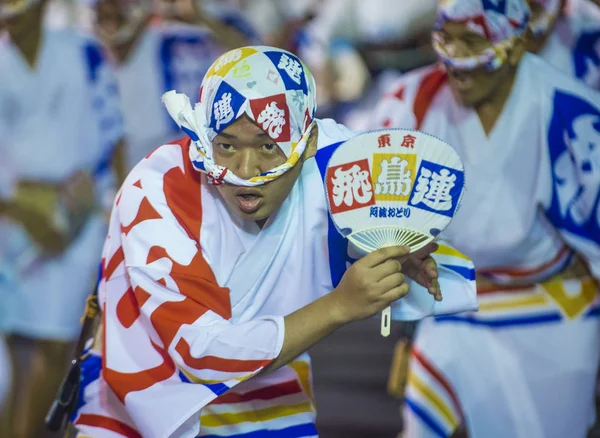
column 566, row 34
column 158, row 46
column 528, row 136
column 60, row 131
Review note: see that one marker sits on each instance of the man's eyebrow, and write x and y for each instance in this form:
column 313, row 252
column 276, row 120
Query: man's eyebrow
column 234, row 137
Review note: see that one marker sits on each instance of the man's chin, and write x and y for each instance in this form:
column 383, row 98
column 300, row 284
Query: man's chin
column 257, row 216
column 465, row 98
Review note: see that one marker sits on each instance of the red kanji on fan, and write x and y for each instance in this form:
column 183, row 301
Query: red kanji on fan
column 383, row 141
column 408, row 141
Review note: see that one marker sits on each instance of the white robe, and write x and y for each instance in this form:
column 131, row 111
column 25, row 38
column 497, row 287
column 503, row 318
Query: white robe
column 194, row 303
column 531, row 204
column 167, row 57
column 58, row 118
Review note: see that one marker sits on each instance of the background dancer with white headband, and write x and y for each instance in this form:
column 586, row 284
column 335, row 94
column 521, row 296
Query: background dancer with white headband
column 60, row 128
column 525, row 364
column 220, row 263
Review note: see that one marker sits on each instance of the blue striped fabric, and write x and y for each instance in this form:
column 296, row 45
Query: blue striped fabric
column 420, row 412
column 299, row 431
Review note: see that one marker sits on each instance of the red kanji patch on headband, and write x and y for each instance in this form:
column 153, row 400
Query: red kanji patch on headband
column 273, row 116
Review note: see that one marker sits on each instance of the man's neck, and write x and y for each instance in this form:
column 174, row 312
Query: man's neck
column 491, row 109
column 26, row 35
column 261, row 223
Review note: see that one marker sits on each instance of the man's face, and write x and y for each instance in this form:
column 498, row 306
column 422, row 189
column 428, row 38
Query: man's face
column 247, row 151
column 110, row 16
column 118, row 21
column 470, row 87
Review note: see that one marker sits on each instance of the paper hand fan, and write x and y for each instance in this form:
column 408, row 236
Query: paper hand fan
column 393, row 187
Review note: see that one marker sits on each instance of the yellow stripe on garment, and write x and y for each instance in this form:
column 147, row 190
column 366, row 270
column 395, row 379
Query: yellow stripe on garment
column 514, row 303
column 434, row 399
column 260, row 415
column 195, row 379
column 449, row 251
column 302, row 368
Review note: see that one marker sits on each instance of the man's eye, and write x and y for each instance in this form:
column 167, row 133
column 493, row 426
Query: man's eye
column 269, row 147
column 225, row 147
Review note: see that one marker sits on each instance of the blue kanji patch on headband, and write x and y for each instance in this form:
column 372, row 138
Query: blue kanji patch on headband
column 437, row 188
column 225, row 107
column 291, row 70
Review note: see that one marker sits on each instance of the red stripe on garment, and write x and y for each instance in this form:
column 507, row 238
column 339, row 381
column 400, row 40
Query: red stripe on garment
column 107, row 423
column 145, row 212
column 183, row 195
column 437, row 375
column 195, row 282
column 525, row 272
column 429, row 87
column 128, row 309
column 492, row 288
column 141, row 295
column 268, row 393
column 399, row 94
column 217, row 363
column 124, row 383
column 117, row 258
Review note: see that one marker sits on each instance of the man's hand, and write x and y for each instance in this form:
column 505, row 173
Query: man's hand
column 421, row 267
column 371, row 284
column 34, row 207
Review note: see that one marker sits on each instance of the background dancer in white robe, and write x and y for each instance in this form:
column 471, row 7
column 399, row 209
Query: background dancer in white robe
column 528, row 136
column 566, row 34
column 216, row 283
column 153, row 56
column 60, row 124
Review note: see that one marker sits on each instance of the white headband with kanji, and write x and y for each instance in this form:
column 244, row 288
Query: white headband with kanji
column 269, row 85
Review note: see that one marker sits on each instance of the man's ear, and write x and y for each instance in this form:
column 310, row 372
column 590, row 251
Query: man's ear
column 311, row 146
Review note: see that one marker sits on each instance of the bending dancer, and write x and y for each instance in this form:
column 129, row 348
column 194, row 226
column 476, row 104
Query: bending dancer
column 222, row 267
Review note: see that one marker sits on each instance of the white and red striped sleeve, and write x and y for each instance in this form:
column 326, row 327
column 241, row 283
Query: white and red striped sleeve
column 170, row 347
column 408, row 100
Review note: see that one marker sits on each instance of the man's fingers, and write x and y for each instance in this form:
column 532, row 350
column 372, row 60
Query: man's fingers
column 434, row 289
column 386, row 269
column 391, row 281
column 381, row 255
column 425, row 251
column 396, row 293
column 430, row 267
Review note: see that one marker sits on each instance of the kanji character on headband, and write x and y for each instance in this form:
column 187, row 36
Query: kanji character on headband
column 283, row 105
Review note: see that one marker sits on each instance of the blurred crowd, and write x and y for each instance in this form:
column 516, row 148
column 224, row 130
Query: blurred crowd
column 80, row 104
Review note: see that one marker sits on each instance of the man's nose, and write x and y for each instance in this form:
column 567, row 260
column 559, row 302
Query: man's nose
column 248, row 164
